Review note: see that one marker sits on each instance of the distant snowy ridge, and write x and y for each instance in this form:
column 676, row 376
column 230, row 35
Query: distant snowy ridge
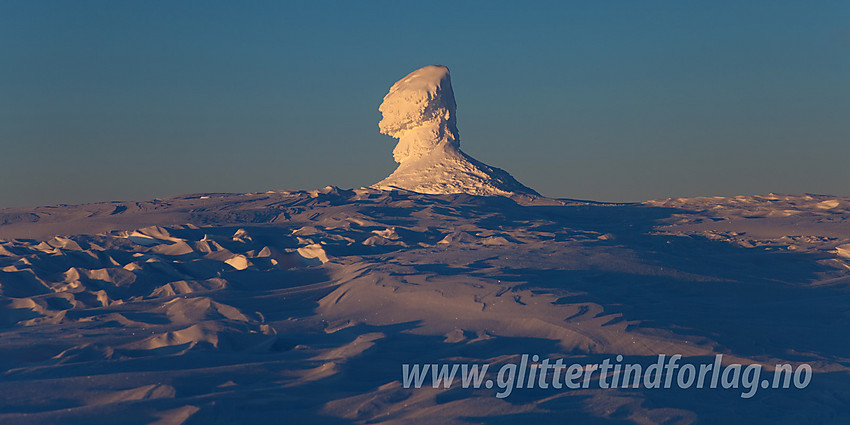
column 421, row 112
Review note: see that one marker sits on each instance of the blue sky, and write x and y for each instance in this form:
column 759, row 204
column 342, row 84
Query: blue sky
column 608, row 100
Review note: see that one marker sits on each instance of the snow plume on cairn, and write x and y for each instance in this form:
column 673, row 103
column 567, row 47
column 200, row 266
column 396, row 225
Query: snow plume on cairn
column 420, row 111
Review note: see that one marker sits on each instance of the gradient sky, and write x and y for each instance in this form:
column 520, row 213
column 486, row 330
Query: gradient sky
column 604, row 100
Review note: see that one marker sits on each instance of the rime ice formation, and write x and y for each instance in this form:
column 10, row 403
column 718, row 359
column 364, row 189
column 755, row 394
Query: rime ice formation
column 420, row 111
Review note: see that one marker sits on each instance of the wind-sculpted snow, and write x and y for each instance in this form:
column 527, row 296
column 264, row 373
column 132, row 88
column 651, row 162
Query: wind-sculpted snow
column 807, row 223
column 301, row 306
column 421, row 112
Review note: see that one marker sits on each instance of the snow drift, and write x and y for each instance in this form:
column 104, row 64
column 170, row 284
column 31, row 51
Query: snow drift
column 302, row 306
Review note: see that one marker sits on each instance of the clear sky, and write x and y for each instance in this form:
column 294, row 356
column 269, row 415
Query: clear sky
column 604, row 100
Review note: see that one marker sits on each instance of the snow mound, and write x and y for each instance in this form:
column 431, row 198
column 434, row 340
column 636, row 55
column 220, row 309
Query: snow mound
column 420, row 111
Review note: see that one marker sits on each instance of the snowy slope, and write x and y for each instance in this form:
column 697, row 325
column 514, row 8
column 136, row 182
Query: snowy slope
column 301, row 306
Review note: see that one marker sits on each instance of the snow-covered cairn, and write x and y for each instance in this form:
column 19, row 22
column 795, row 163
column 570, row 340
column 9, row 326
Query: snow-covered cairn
column 420, row 111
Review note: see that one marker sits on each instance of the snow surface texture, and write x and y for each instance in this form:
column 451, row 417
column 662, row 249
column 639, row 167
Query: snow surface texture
column 421, row 112
column 300, row 307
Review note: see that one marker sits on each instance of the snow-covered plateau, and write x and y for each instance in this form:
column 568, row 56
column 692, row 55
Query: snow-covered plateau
column 302, row 306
